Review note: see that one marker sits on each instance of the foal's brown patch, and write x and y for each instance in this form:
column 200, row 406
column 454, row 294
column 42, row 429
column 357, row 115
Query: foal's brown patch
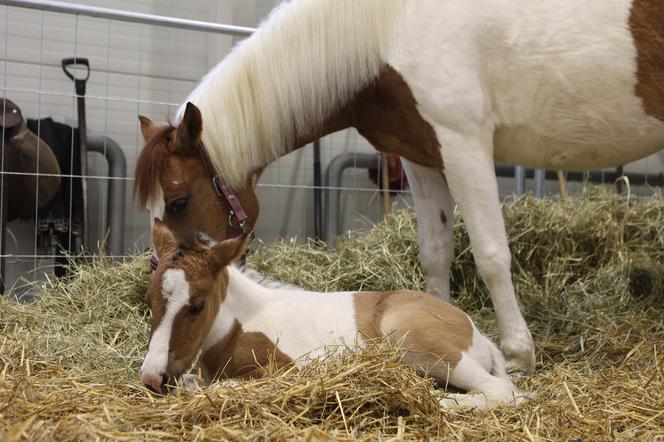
column 241, row 354
column 430, row 328
column 646, row 22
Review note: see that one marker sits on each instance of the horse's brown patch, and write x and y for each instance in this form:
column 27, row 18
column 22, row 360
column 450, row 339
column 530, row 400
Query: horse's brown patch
column 241, row 354
column 385, row 113
column 426, row 328
column 646, row 23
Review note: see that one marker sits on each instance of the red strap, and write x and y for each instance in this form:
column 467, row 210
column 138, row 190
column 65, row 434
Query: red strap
column 154, row 261
column 227, row 192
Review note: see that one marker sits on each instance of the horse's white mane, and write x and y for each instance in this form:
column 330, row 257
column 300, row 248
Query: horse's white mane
column 305, row 61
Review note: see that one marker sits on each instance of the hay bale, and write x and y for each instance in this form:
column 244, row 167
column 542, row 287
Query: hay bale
column 586, row 270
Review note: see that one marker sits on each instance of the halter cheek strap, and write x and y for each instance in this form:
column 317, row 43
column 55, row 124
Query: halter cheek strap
column 237, row 217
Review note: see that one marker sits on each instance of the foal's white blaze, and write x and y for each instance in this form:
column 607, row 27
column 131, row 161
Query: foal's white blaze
column 175, row 290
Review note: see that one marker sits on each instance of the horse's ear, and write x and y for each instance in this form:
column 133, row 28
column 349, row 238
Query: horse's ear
column 163, row 239
column 147, row 127
column 225, row 252
column 190, row 128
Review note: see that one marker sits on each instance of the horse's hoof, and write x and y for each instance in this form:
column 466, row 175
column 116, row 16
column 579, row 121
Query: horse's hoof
column 519, row 355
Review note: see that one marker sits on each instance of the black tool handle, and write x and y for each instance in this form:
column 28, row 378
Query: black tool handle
column 79, row 82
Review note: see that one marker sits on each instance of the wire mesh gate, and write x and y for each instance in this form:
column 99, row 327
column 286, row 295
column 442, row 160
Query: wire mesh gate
column 146, row 64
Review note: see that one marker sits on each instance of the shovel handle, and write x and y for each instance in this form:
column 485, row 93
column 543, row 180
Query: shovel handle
column 79, row 83
column 76, row 61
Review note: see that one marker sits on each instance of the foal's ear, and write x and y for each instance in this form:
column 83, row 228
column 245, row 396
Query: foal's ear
column 190, row 128
column 163, row 239
column 225, row 252
column 147, row 127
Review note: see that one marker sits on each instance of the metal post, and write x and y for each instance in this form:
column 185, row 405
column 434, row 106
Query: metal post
column 540, row 176
column 520, row 177
column 318, row 191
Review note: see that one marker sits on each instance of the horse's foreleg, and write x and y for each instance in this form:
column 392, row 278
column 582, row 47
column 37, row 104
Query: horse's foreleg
column 435, row 221
column 470, row 174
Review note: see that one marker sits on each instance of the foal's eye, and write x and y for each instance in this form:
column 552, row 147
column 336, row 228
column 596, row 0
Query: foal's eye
column 197, row 307
column 177, row 206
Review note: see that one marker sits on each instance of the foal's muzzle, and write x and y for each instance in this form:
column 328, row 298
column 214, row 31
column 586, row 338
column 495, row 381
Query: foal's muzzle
column 157, row 383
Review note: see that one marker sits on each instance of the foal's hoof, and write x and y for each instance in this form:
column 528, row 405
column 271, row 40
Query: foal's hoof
column 191, row 381
column 519, row 355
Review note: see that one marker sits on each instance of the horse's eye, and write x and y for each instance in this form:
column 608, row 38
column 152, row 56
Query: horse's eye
column 177, row 206
column 197, row 307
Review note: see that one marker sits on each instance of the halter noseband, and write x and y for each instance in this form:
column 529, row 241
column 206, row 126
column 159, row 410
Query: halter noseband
column 237, row 217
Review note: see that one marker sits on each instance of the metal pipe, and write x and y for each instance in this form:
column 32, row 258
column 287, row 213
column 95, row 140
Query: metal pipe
column 132, row 17
column 333, row 174
column 318, row 193
column 115, row 204
column 520, row 177
column 540, row 176
column 594, row 176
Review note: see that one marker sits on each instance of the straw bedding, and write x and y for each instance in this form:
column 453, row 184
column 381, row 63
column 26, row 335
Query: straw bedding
column 589, row 273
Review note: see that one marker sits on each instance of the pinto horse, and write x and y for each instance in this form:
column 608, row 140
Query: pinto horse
column 451, row 86
column 201, row 303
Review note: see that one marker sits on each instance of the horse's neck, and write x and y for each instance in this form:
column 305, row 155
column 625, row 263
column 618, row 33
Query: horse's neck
column 267, row 97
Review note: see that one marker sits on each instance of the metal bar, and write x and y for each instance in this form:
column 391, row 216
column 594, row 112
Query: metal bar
column 115, row 207
column 335, row 169
column 318, row 193
column 520, row 177
column 540, row 175
column 595, row 176
column 132, row 17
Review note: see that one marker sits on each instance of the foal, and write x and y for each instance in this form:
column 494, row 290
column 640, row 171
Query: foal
column 201, row 302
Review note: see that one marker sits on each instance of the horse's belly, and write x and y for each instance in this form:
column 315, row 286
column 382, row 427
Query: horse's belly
column 557, row 80
column 578, row 149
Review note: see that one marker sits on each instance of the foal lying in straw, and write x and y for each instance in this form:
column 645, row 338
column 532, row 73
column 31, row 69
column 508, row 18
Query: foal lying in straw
column 201, row 302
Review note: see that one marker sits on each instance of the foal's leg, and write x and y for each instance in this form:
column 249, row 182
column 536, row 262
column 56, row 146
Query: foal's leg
column 470, row 174
column 485, row 389
column 435, row 221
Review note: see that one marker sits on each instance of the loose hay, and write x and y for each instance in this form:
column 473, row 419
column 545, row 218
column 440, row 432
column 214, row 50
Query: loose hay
column 589, row 274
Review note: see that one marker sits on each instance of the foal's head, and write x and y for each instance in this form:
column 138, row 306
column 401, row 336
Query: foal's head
column 184, row 296
column 174, row 180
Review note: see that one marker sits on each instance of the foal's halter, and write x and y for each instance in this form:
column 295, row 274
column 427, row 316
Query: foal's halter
column 237, row 217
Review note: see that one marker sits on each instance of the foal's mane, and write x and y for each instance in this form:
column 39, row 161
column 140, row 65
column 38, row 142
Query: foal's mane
column 303, row 63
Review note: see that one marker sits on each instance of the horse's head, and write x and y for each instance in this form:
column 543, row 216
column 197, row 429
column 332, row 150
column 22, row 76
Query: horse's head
column 174, row 180
column 184, row 296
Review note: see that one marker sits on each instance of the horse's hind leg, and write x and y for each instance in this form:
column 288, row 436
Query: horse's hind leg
column 435, row 221
column 470, row 174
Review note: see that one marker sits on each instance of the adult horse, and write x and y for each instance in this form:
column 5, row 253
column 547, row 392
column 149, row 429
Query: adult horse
column 450, row 85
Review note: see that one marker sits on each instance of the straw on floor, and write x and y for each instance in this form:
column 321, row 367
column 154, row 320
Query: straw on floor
column 589, row 272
